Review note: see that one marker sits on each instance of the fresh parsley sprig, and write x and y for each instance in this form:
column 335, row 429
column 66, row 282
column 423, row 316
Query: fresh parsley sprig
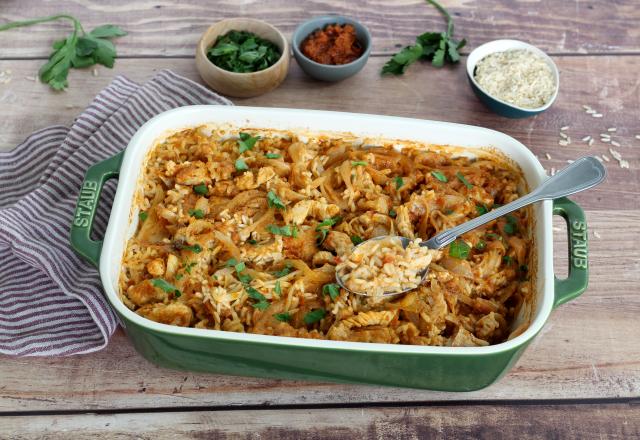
column 79, row 49
column 439, row 47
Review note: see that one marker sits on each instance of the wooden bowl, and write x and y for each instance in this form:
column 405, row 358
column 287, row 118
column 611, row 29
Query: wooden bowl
column 242, row 85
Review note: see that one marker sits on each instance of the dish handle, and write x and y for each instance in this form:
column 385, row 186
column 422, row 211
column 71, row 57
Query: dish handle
column 576, row 283
column 88, row 198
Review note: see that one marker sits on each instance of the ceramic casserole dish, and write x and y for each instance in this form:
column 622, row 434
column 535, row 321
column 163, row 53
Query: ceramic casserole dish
column 436, row 368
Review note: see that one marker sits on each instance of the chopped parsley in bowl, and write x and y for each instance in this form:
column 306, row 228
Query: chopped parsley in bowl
column 243, row 52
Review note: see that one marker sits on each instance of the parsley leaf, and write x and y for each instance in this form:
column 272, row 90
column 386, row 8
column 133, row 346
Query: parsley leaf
column 166, row 286
column 462, row 179
column 252, row 241
column 286, row 230
column 333, row 290
column 241, row 165
column 247, row 142
column 261, row 305
column 197, row 213
column 286, row 270
column 278, row 288
column 481, row 245
column 231, row 262
column 189, row 266
column 196, row 248
column 481, row 209
column 399, row 182
column 283, row 317
column 438, row 175
column 79, row 49
column 254, row 294
column 314, row 316
column 324, row 226
column 358, row 163
column 356, row 240
column 143, row 216
column 459, row 249
column 439, row 47
column 274, row 201
column 273, row 156
column 328, row 222
column 508, row 259
column 201, row 189
column 511, row 227
column 393, row 213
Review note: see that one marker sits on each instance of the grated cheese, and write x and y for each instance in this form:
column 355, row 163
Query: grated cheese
column 519, row 77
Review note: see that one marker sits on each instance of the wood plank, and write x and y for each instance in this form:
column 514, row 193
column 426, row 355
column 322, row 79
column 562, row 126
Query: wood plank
column 581, row 422
column 162, row 28
column 609, row 84
column 587, row 350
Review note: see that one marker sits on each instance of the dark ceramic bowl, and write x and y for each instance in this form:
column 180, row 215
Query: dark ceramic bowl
column 325, row 72
column 497, row 105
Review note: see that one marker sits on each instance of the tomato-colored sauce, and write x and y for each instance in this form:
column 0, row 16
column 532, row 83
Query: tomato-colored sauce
column 335, row 44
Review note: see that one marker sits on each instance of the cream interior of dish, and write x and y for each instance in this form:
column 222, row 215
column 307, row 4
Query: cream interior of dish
column 241, row 230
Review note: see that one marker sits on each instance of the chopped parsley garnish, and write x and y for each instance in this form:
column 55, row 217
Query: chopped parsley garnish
column 333, row 290
column 511, row 227
column 252, row 241
column 189, row 266
column 482, row 209
column 356, row 240
column 278, row 288
column 143, row 216
column 459, row 249
column 273, row 156
column 393, row 213
column 231, row 262
column 314, row 316
column 240, row 267
column 274, row 201
column 462, row 179
column 179, row 276
column 201, row 189
column 241, row 165
column 438, row 175
column 448, row 212
column 167, row 287
column 324, row 226
column 359, row 163
column 283, row 317
column 481, row 245
column 196, row 248
column 286, row 230
column 286, row 270
column 247, row 142
column 261, row 305
column 508, row 260
column 243, row 52
column 328, row 222
column 197, row 213
column 261, row 301
column 399, row 181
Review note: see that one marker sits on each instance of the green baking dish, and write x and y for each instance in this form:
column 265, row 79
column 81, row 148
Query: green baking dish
column 436, row 368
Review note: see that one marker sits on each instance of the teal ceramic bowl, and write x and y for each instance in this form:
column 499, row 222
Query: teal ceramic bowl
column 497, row 105
column 325, row 72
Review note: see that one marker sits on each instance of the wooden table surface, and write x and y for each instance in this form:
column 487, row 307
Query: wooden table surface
column 579, row 379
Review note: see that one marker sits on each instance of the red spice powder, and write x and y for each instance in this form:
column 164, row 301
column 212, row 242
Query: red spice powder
column 335, row 44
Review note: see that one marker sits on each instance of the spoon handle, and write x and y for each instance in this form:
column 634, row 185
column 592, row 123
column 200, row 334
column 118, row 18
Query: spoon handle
column 582, row 174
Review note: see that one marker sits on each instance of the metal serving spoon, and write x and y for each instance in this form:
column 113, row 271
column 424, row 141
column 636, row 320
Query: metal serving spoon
column 582, row 174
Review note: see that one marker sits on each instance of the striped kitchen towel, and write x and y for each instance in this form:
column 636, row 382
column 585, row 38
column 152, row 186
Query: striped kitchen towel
column 51, row 300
